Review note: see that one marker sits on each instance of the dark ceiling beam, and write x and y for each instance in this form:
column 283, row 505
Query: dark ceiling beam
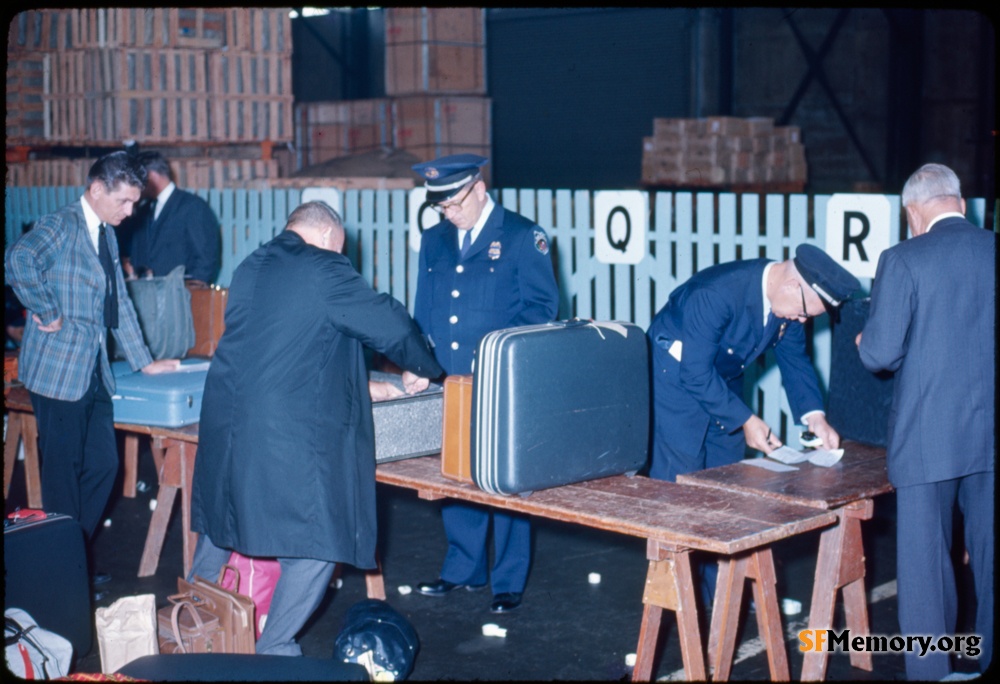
column 815, row 61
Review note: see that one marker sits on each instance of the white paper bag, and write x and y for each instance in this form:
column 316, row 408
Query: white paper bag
column 126, row 630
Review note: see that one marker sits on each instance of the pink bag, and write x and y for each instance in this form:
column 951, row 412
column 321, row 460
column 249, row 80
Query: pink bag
column 258, row 578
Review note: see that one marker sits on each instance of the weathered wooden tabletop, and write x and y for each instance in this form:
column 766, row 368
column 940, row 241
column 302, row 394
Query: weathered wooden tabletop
column 860, row 474
column 686, row 516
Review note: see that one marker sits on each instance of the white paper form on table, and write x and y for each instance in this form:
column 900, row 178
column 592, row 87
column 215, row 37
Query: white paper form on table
column 820, row 457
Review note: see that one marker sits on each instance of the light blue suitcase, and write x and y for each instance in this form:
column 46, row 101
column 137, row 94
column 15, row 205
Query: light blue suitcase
column 165, row 400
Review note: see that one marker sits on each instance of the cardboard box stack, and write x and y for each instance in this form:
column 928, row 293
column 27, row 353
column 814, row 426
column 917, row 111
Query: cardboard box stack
column 160, row 76
column 435, row 82
column 723, row 151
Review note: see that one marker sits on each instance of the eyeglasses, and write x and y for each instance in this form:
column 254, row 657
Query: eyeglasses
column 457, row 204
column 805, row 313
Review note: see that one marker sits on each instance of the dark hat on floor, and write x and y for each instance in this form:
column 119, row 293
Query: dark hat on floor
column 831, row 281
column 447, row 175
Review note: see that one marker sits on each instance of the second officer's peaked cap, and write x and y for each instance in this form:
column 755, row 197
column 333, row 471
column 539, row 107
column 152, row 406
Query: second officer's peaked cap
column 832, row 282
column 447, row 175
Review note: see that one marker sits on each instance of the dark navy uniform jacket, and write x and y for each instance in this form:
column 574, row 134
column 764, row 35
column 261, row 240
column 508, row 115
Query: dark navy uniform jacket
column 717, row 316
column 505, row 280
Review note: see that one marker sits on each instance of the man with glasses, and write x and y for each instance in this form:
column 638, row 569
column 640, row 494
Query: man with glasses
column 714, row 325
column 482, row 268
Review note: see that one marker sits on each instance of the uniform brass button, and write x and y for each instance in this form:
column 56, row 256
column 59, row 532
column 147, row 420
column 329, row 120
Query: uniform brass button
column 453, row 320
column 454, row 345
column 460, row 268
column 455, row 293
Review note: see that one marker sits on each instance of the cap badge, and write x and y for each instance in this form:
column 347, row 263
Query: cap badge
column 431, row 172
column 494, row 251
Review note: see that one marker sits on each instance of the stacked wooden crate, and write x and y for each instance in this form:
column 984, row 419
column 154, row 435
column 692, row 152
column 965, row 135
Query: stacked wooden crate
column 159, row 76
column 328, row 130
column 723, row 151
column 435, row 81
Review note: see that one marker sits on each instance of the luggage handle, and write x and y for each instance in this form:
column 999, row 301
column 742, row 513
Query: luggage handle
column 199, row 623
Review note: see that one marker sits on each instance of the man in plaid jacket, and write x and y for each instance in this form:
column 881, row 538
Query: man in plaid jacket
column 67, row 274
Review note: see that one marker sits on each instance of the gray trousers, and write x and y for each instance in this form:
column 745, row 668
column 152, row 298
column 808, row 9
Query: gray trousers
column 301, row 587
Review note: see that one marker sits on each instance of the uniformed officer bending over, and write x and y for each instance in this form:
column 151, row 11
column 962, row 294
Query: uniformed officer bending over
column 711, row 327
column 286, row 459
column 482, row 268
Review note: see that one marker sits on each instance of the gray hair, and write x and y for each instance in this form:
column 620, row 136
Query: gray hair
column 315, row 214
column 929, row 182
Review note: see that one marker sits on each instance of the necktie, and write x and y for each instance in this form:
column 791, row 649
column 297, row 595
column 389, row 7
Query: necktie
column 466, row 242
column 111, row 289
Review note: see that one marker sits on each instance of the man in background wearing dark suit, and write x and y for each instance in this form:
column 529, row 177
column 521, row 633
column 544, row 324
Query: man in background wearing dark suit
column 175, row 227
column 932, row 318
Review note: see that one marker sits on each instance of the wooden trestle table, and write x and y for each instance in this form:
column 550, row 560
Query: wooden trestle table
column 847, row 489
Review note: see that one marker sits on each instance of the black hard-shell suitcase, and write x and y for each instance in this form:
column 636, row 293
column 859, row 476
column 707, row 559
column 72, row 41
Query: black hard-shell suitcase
column 860, row 401
column 559, row 403
column 45, row 573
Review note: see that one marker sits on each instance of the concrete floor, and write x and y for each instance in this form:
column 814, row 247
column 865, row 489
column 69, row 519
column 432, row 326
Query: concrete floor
column 567, row 628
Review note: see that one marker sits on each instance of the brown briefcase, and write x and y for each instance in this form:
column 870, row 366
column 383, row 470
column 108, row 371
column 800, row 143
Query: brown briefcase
column 208, row 307
column 457, row 425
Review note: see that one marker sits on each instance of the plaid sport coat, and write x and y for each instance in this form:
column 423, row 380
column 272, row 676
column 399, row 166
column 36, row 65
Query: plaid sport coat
column 55, row 271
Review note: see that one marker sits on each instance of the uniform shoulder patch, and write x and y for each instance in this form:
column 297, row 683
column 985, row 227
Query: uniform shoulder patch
column 541, row 241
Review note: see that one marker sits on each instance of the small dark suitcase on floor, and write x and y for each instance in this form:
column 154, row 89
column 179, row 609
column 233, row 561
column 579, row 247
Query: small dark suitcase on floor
column 45, row 573
column 164, row 400
column 559, row 403
column 407, row 426
column 859, row 404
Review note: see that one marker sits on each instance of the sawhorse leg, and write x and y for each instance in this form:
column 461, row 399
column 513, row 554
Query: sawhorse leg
column 175, row 474
column 22, row 428
column 757, row 566
column 374, row 581
column 670, row 586
column 841, row 565
column 132, row 462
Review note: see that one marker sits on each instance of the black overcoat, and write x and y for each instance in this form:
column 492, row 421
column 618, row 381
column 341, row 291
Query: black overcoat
column 286, row 456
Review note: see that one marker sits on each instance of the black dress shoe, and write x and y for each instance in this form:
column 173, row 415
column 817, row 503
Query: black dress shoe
column 442, row 587
column 505, row 602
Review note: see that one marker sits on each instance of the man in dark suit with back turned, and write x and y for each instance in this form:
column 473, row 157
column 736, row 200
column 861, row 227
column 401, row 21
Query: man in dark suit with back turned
column 66, row 273
column 286, row 459
column 175, row 227
column 481, row 269
column 932, row 318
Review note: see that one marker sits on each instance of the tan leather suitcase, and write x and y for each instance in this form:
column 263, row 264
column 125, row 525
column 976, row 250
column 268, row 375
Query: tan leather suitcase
column 456, row 429
column 208, row 307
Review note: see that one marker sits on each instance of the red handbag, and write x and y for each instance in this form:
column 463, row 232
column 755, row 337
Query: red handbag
column 257, row 579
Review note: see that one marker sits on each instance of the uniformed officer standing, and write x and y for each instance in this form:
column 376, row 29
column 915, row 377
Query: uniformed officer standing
column 482, row 268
